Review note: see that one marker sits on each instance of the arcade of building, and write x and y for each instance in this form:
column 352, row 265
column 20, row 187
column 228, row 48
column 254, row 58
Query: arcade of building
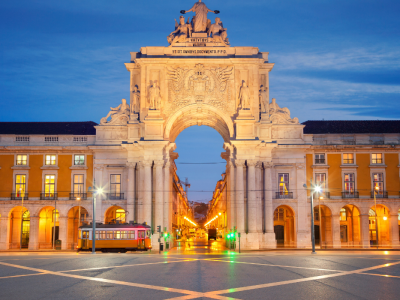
column 48, row 170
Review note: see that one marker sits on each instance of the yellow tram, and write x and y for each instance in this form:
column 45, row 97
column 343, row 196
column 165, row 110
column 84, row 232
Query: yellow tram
column 115, row 237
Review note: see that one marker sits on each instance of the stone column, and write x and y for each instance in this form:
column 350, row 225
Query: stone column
column 167, row 198
column 232, row 196
column 4, row 233
column 140, row 216
column 159, row 193
column 336, row 243
column 252, row 199
column 303, row 209
column 394, row 230
column 239, row 195
column 259, row 197
column 269, row 236
column 147, row 192
column 364, row 224
column 130, row 202
column 34, row 233
column 63, row 231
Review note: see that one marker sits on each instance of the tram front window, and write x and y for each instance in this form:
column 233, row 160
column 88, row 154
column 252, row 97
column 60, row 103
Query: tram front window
column 148, row 233
column 85, row 234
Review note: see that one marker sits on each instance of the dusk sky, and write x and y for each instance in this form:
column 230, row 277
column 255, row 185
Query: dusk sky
column 334, row 60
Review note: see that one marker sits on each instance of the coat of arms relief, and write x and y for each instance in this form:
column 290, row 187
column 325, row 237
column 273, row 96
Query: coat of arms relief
column 200, row 85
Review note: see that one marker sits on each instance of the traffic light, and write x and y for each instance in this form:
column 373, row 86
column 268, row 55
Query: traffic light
column 158, row 228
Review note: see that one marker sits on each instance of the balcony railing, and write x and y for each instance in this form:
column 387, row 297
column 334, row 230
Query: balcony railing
column 115, row 196
column 284, row 195
column 18, row 196
column 348, row 194
column 74, row 196
column 48, row 196
column 380, row 194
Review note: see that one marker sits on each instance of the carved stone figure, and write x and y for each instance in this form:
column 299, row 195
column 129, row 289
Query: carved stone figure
column 218, row 32
column 154, row 96
column 264, row 102
column 181, row 32
column 200, row 19
column 244, row 96
column 119, row 114
column 281, row 115
column 135, row 105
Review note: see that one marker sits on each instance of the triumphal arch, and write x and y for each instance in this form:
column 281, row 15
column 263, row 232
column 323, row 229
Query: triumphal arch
column 201, row 79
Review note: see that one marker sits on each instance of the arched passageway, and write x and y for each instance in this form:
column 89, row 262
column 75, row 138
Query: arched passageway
column 284, row 226
column 323, row 226
column 16, row 239
column 77, row 216
column 350, row 226
column 115, row 214
column 48, row 227
column 379, row 225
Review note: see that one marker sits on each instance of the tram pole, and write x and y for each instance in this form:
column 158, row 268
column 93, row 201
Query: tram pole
column 54, row 223
column 94, row 218
column 22, row 220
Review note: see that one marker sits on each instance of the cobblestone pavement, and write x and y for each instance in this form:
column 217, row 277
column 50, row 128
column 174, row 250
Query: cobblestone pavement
column 199, row 270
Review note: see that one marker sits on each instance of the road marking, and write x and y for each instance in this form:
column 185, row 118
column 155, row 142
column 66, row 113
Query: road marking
column 123, row 266
column 383, row 275
column 14, row 276
column 270, row 265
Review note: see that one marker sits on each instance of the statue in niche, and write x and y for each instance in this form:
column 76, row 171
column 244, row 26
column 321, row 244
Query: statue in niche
column 200, row 18
column 135, row 105
column 119, row 114
column 154, row 96
column 181, row 32
column 218, row 32
column 281, row 115
column 264, row 102
column 244, row 96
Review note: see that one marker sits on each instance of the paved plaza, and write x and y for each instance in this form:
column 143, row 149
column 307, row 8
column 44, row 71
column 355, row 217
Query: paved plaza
column 201, row 271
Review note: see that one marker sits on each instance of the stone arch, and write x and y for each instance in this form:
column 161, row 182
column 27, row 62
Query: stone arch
column 46, row 227
column 350, row 225
column 323, row 225
column 196, row 114
column 115, row 213
column 383, row 224
column 16, row 215
column 73, row 224
column 284, row 226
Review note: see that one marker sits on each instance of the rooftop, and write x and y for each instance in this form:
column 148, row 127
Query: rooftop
column 55, row 128
column 345, row 127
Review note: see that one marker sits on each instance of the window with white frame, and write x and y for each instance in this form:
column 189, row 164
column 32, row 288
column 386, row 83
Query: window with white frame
column 49, row 185
column 50, row 160
column 320, row 180
column 22, row 160
column 320, row 158
column 377, row 158
column 20, row 185
column 79, row 159
column 349, row 183
column 283, row 181
column 78, row 184
column 378, row 183
column 348, row 158
column 115, row 184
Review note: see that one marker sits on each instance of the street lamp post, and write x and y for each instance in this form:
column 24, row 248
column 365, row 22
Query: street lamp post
column 22, row 218
column 95, row 192
column 313, row 189
column 376, row 190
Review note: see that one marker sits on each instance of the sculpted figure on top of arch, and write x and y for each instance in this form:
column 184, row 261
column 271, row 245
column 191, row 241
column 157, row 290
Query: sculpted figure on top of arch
column 181, row 32
column 200, row 85
column 200, row 18
column 280, row 115
column 119, row 115
column 218, row 32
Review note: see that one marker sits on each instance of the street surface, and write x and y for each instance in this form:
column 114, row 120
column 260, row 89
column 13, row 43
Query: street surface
column 201, row 270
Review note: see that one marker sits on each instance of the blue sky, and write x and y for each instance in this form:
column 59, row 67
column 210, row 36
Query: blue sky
column 64, row 60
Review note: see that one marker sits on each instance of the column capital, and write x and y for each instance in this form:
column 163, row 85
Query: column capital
column 267, row 164
column 99, row 167
column 167, row 164
column 251, row 162
column 259, row 164
column 147, row 163
column 131, row 164
column 300, row 166
column 159, row 163
column 239, row 162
